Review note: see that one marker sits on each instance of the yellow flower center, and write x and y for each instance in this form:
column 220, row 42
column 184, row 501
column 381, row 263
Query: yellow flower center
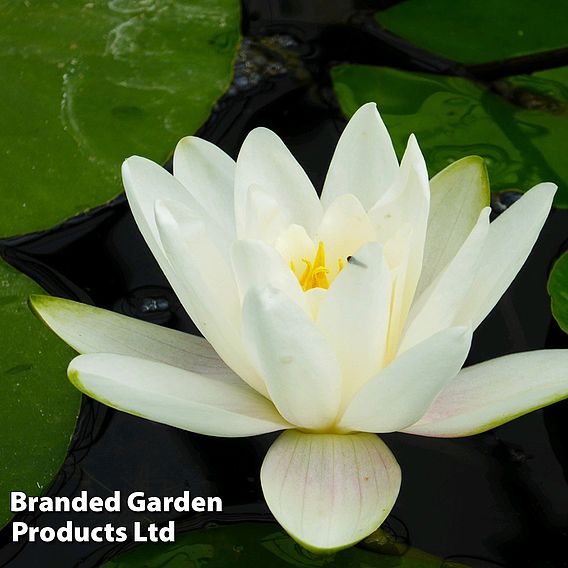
column 316, row 273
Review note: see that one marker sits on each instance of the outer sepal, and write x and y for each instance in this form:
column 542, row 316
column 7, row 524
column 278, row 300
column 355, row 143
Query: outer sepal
column 329, row 491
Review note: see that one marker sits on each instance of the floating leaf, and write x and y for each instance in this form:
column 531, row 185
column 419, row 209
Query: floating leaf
column 454, row 117
column 38, row 406
column 87, row 84
column 558, row 290
column 478, row 31
column 254, row 545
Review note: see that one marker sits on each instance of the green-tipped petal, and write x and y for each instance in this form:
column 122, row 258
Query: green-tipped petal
column 438, row 306
column 489, row 394
column 214, row 406
column 92, row 330
column 458, row 195
column 329, row 491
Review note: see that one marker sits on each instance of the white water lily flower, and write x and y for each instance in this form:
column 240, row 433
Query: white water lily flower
column 330, row 319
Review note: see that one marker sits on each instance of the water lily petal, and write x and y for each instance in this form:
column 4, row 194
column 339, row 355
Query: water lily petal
column 364, row 162
column 511, row 238
column 208, row 173
column 329, row 491
column 314, row 298
column 345, row 227
column 402, row 392
column 294, row 244
column 437, row 306
column 206, row 285
column 265, row 219
column 407, row 200
column 354, row 316
column 489, row 394
column 92, row 330
column 214, row 406
column 458, row 195
column 145, row 182
column 257, row 264
column 293, row 357
column 400, row 221
column 264, row 161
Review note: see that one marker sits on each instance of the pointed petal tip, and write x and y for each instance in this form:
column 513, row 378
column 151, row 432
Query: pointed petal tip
column 257, row 133
column 38, row 304
column 370, row 107
column 547, row 188
column 187, row 141
column 46, row 307
column 133, row 162
column 35, row 301
column 194, row 142
column 73, row 375
column 368, row 111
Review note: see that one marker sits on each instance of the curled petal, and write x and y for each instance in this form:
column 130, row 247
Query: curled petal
column 216, row 406
column 329, row 491
column 489, row 394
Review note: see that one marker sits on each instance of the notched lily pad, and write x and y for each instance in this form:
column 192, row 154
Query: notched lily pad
column 38, row 406
column 255, row 545
column 479, row 31
column 558, row 290
column 453, row 117
column 87, row 84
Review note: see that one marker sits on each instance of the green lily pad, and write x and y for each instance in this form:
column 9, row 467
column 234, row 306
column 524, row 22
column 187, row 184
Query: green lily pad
column 478, row 31
column 251, row 545
column 38, row 406
column 558, row 290
column 453, row 117
column 87, row 84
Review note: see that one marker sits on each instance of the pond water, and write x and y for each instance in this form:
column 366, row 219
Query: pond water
column 496, row 499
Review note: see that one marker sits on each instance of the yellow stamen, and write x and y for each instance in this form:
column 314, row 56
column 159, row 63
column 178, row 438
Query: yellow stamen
column 315, row 274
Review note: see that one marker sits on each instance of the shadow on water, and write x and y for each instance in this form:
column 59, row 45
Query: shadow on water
column 496, row 499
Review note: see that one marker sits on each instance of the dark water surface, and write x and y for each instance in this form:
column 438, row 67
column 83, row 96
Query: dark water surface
column 496, row 499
